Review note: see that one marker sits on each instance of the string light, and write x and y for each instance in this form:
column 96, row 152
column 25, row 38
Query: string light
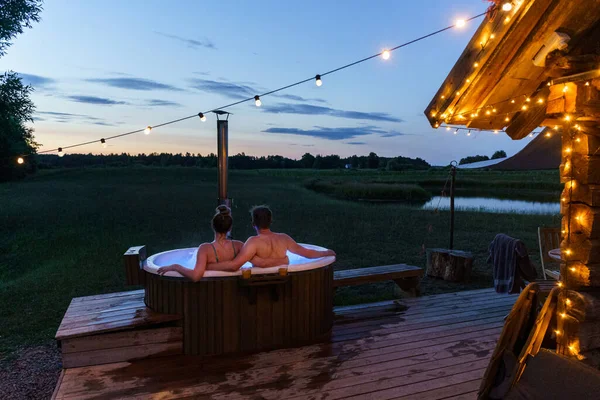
column 587, row 84
column 565, row 89
column 147, row 130
column 469, row 133
column 507, row 20
column 568, row 302
column 60, row 152
column 563, row 315
column 573, row 269
column 568, row 150
column 257, row 101
column 524, row 107
column 567, row 117
column 507, row 6
column 456, row 132
column 318, row 80
column 548, row 134
column 103, row 141
column 385, row 54
column 443, row 97
column 202, row 117
column 540, row 101
column 351, row 64
column 460, row 23
column 476, row 64
column 528, row 100
column 557, row 332
column 458, row 92
column 448, row 128
column 568, row 252
column 507, row 119
column 20, row 160
column 559, row 284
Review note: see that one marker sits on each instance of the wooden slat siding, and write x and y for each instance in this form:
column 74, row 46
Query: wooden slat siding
column 122, row 339
column 375, row 274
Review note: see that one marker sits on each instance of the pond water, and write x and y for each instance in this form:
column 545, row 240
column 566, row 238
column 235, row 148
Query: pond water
column 490, row 204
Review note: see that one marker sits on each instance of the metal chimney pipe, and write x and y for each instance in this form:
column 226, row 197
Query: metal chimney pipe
column 222, row 160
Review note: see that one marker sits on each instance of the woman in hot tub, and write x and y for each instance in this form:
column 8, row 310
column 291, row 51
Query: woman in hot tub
column 219, row 250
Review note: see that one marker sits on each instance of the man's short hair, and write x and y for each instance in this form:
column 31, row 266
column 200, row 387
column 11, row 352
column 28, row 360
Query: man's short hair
column 261, row 217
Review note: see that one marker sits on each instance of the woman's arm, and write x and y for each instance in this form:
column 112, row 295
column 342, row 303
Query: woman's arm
column 245, row 255
column 307, row 253
column 269, row 262
column 192, row 274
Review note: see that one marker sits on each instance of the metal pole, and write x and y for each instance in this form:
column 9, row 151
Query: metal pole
column 222, row 157
column 453, row 174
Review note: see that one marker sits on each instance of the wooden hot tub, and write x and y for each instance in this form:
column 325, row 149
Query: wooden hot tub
column 230, row 314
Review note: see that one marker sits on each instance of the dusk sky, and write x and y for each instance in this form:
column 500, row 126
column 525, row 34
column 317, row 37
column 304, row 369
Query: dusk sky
column 100, row 68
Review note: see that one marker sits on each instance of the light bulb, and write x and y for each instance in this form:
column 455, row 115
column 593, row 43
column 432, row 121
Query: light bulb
column 557, row 332
column 443, row 97
column 567, row 117
column 103, row 141
column 60, row 152
column 473, row 115
column 495, row 131
column 318, row 80
column 560, row 284
column 456, row 132
column 587, row 84
column 447, row 128
column 385, row 54
column 469, row 133
column 563, row 315
column 492, row 36
column 147, row 130
column 507, row 6
column 488, row 112
column 507, row 119
column 460, row 23
column 512, row 101
column 202, row 117
column 524, row 107
column 565, row 89
column 458, row 92
column 548, row 134
column 568, row 302
column 494, row 110
column 20, row 160
column 257, row 101
column 528, row 99
column 476, row 64
column 540, row 101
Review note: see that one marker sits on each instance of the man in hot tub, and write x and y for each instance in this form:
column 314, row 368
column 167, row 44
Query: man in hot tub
column 268, row 245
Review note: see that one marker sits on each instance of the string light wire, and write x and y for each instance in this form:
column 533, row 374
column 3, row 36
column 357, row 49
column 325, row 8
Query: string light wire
column 311, row 79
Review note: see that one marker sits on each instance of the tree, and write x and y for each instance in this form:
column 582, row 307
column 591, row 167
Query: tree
column 16, row 109
column 472, row 159
column 16, row 139
column 499, row 154
column 308, row 160
column 373, row 161
column 14, row 16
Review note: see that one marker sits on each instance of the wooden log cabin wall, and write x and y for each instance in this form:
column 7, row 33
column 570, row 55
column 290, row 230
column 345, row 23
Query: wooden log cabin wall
column 539, row 65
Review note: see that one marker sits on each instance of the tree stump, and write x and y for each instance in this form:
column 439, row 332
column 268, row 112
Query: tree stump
column 450, row 265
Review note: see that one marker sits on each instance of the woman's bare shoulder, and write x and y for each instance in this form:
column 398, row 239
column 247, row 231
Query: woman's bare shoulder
column 238, row 244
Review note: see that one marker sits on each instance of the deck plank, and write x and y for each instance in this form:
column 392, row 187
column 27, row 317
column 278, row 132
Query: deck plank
column 423, row 352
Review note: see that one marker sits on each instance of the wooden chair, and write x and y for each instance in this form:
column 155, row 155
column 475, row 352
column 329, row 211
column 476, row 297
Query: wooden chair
column 549, row 238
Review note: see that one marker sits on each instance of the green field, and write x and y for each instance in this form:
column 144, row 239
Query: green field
column 63, row 232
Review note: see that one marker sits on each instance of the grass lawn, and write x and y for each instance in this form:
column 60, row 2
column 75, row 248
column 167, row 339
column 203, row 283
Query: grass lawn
column 63, row 232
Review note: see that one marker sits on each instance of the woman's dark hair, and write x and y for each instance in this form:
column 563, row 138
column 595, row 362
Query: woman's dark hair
column 261, row 217
column 222, row 220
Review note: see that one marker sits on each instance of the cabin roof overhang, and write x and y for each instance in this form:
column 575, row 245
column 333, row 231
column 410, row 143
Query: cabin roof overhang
column 512, row 65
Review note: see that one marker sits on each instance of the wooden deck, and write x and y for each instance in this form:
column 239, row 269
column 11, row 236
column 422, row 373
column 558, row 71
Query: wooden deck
column 434, row 347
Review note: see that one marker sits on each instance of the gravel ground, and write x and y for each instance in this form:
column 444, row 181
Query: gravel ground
column 30, row 373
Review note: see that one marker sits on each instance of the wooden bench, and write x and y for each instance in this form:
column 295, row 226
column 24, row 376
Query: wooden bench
column 407, row 277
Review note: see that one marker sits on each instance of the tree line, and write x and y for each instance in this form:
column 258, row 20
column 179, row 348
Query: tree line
column 478, row 158
column 237, row 161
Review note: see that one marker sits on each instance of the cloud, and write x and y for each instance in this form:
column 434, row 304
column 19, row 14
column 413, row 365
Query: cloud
column 394, row 134
column 162, row 103
column 192, row 43
column 309, row 109
column 356, row 143
column 328, row 133
column 297, row 98
column 134, row 84
column 36, row 81
column 240, row 90
column 227, row 89
column 95, row 100
column 68, row 117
